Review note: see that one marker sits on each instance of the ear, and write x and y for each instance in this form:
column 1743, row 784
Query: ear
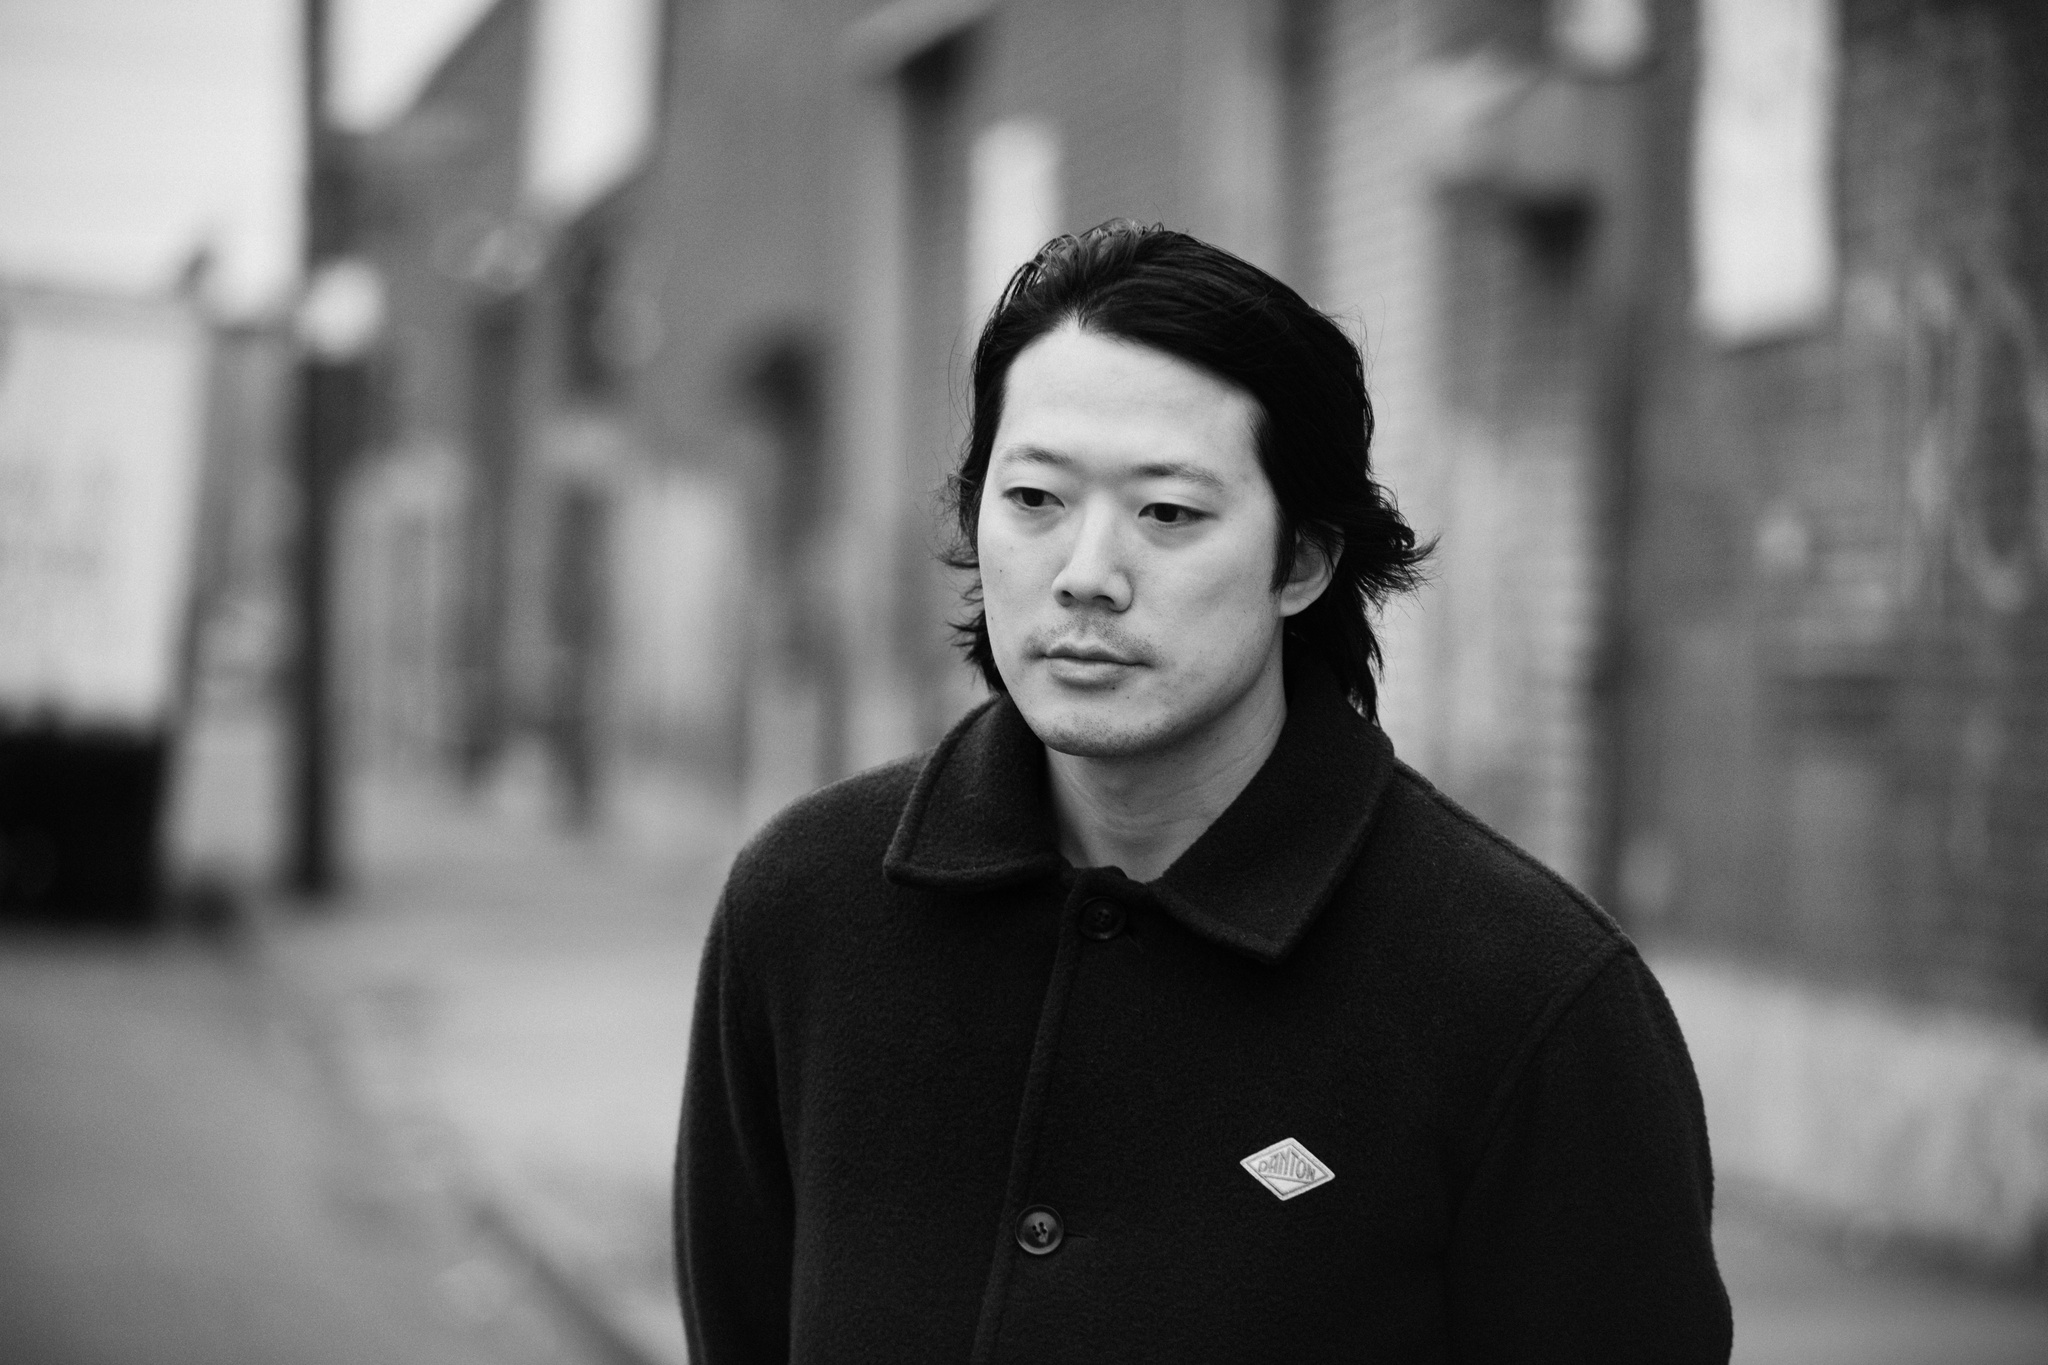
column 1310, row 577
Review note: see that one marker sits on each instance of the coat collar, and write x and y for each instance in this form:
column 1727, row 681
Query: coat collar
column 980, row 819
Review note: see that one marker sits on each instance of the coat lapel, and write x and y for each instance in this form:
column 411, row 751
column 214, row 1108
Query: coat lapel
column 1256, row 878
column 980, row 817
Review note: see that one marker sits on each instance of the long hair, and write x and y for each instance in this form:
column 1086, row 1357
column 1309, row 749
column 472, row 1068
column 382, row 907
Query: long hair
column 1200, row 304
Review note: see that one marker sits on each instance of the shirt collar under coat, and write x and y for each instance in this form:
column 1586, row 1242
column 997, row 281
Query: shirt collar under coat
column 980, row 819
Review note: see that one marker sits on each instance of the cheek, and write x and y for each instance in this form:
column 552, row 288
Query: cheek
column 990, row 551
column 1233, row 583
column 1003, row 572
column 1011, row 557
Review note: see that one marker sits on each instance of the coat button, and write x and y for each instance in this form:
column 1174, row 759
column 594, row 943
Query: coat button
column 1102, row 918
column 1039, row 1231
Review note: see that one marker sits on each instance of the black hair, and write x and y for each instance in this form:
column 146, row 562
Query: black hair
column 1200, row 304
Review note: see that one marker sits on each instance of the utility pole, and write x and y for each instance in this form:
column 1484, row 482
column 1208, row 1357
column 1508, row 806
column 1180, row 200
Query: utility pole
column 338, row 318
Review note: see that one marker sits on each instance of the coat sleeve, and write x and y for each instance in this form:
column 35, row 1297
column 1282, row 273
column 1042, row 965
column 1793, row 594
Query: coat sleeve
column 733, row 1206
column 1585, row 1234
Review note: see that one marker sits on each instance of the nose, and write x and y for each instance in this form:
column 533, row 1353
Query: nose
column 1094, row 574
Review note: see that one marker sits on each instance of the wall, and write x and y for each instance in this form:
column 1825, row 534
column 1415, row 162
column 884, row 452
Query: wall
column 1836, row 737
column 1840, row 591
column 431, row 558
column 1748, row 639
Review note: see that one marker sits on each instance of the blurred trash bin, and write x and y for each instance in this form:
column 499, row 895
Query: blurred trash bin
column 102, row 419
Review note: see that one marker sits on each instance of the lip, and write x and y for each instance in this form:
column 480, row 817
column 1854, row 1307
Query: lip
column 1088, row 654
column 1089, row 667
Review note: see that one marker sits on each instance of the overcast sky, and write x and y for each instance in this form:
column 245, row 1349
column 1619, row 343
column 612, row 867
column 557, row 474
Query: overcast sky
column 133, row 131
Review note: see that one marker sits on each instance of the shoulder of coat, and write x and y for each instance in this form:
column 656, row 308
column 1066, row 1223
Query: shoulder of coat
column 840, row 829
column 1482, row 872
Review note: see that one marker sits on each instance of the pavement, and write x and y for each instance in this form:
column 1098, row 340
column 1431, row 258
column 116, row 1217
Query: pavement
column 511, row 1001
column 495, row 1020
column 180, row 1187
column 1806, row 1295
column 528, row 992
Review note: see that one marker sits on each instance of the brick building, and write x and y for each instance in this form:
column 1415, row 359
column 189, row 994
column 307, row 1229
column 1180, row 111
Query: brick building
column 1737, row 614
column 501, row 481
column 1705, row 334
column 1833, row 743
column 851, row 183
column 427, row 553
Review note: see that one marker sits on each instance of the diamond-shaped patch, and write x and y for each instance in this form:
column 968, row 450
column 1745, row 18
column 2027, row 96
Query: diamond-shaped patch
column 1287, row 1168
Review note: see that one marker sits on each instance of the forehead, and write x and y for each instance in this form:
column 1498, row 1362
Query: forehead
column 1098, row 399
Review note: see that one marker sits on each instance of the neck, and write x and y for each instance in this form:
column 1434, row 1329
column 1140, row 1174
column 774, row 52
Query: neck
column 1141, row 812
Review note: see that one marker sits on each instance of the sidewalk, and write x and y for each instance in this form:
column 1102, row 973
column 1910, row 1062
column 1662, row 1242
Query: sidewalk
column 511, row 1002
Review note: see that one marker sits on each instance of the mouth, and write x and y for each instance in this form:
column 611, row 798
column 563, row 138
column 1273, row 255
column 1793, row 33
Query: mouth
column 1088, row 654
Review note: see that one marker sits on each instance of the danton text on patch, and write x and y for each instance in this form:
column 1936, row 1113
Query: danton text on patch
column 1287, row 1168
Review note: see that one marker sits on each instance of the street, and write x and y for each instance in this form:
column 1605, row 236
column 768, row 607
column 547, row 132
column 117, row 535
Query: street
column 181, row 1185
column 1799, row 1303
column 212, row 1146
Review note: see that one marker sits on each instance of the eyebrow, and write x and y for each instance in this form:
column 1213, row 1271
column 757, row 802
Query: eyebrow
column 1157, row 469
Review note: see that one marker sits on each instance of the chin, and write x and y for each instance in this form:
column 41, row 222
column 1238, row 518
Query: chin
column 1098, row 727
column 1102, row 739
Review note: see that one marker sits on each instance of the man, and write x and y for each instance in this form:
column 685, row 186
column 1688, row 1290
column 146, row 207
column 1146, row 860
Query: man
column 1159, row 1013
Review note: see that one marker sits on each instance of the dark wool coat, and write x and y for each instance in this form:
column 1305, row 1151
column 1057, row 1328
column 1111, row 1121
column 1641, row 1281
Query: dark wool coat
column 950, row 1099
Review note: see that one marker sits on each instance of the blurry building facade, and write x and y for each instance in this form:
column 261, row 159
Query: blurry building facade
column 506, row 512
column 428, row 540
column 227, row 802
column 1834, row 594
column 1740, row 618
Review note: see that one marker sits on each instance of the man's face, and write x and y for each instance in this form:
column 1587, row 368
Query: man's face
column 1127, row 539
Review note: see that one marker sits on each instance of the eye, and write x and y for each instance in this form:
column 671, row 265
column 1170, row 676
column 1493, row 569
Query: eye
column 1169, row 513
column 1030, row 497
